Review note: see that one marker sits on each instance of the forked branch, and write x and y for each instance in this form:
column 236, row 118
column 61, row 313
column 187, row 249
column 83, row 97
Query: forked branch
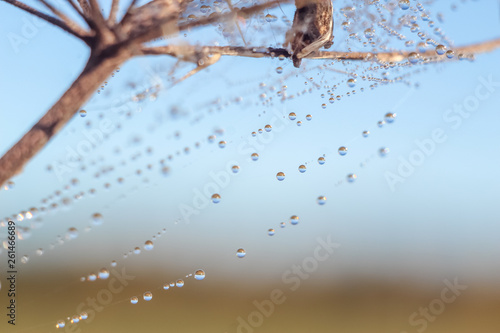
column 53, row 20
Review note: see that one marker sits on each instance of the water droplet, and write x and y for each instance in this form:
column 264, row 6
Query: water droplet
column 222, row 144
column 84, row 315
column 440, row 49
column 321, row 200
column 60, row 324
column 148, row 246
column 342, row 151
column 9, row 185
column 39, row 252
column 366, row 133
column 92, row 277
column 323, row 106
column 103, row 274
column 240, row 253
column 147, row 296
column 199, row 274
column 294, row 219
column 235, row 168
column 179, row 283
column 369, row 33
column 309, row 117
column 271, row 18
column 302, row 168
column 25, row 259
column 351, row 82
column 292, row 116
column 279, row 70
column 134, row 300
column 282, row 224
column 280, row 176
column 205, row 9
column 268, row 128
column 321, row 160
column 413, row 57
column 83, row 113
column 299, row 123
column 380, row 123
column 404, row 4
column 72, row 233
column 166, row 286
column 113, row 263
column 172, row 284
column 255, row 156
column 390, row 117
column 351, row 177
column 383, row 152
column 271, row 232
column 137, row 250
column 216, row 198
column 450, row 54
column 97, row 219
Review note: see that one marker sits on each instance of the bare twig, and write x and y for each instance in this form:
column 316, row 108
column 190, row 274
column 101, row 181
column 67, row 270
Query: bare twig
column 70, row 23
column 84, row 5
column 50, row 19
column 79, row 11
column 229, row 3
column 113, row 11
column 103, row 30
column 129, row 9
column 267, row 52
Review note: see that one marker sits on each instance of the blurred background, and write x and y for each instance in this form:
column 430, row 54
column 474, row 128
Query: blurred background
column 407, row 243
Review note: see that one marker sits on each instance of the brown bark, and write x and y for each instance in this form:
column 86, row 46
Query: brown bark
column 95, row 72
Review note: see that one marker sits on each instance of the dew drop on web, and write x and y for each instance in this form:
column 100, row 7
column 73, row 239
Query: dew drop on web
column 103, row 274
column 148, row 245
column 240, row 253
column 199, row 274
column 97, row 219
column 147, row 296
column 215, row 198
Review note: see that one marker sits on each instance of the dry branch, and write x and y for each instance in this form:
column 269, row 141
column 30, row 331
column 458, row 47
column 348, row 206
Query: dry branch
column 267, row 52
column 37, row 137
column 50, row 19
